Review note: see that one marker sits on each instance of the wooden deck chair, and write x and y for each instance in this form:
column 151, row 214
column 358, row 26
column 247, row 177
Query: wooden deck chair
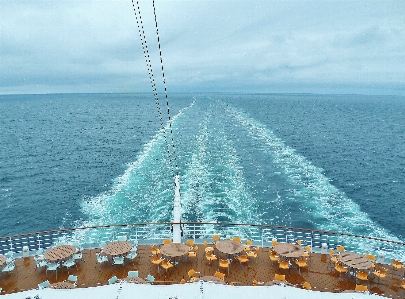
column 190, row 242
column 274, row 257
column 243, row 259
column 224, row 264
column 362, row 276
column 341, row 269
column 340, row 249
column 372, row 259
column 361, row 288
column 285, row 265
column 249, row 243
column 381, row 273
column 219, row 275
column 237, row 239
column 279, row 277
column 154, row 250
column 301, row 264
column 166, row 265
column 156, row 261
column 306, row 285
column 210, row 257
column 253, row 254
column 307, row 252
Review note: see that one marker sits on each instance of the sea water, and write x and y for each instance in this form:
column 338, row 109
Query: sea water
column 333, row 162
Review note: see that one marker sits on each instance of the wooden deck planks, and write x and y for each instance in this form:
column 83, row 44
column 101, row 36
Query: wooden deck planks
column 319, row 273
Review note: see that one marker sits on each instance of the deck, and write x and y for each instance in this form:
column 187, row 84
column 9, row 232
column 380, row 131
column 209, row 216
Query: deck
column 319, row 273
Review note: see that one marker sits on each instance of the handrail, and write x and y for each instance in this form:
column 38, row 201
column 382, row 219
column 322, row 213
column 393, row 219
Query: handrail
column 206, row 223
column 154, row 232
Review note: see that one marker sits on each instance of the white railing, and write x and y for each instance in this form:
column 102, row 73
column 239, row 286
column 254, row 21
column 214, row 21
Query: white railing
column 154, row 233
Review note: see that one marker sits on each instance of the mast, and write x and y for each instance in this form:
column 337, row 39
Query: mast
column 177, row 211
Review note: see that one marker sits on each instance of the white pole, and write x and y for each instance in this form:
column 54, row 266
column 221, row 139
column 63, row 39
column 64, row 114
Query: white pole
column 177, row 211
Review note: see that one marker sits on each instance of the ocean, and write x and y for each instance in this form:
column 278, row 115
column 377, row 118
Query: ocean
column 332, row 162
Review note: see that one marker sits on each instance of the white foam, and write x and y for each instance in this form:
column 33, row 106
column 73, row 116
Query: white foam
column 327, row 207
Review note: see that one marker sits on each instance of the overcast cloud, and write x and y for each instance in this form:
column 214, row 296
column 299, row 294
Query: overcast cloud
column 231, row 46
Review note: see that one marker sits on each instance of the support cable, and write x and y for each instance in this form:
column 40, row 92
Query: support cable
column 142, row 36
column 164, row 84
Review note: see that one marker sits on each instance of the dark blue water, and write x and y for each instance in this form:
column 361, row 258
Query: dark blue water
column 314, row 161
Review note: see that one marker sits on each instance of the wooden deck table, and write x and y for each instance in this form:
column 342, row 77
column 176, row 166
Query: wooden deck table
column 59, row 253
column 355, row 260
column 211, row 279
column 288, row 250
column 2, row 260
column 174, row 249
column 229, row 247
column 117, row 248
column 61, row 285
column 137, row 280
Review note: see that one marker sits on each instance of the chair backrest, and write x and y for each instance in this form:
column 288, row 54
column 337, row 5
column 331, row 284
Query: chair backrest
column 299, row 242
column 121, row 238
column 306, row 285
column 44, row 284
column 219, row 275
column 237, row 239
column 191, row 273
column 279, row 277
column 112, row 280
column 205, row 244
column 274, row 243
column 331, row 252
column 133, row 273
column 308, row 248
column 249, row 242
column 361, row 288
column 284, row 264
column 167, row 241
column 72, row 278
column 223, row 263
column 370, row 257
column 216, row 237
column 190, row 242
column 340, row 248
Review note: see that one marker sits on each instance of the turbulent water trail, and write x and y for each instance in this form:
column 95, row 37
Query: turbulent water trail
column 144, row 193
column 232, row 169
column 318, row 201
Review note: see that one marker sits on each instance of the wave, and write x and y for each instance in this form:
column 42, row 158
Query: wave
column 317, row 200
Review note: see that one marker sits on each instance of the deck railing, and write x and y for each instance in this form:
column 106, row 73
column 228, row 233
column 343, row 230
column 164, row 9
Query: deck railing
column 154, row 233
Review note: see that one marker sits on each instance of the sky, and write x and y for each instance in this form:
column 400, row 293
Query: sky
column 264, row 46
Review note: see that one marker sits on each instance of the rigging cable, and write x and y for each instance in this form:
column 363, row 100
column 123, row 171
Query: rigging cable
column 151, row 77
column 164, row 84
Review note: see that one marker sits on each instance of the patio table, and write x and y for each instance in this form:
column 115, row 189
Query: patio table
column 355, row 261
column 288, row 250
column 62, row 285
column 2, row 259
column 137, row 280
column 59, row 253
column 117, row 248
column 212, row 279
column 174, row 249
column 229, row 247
